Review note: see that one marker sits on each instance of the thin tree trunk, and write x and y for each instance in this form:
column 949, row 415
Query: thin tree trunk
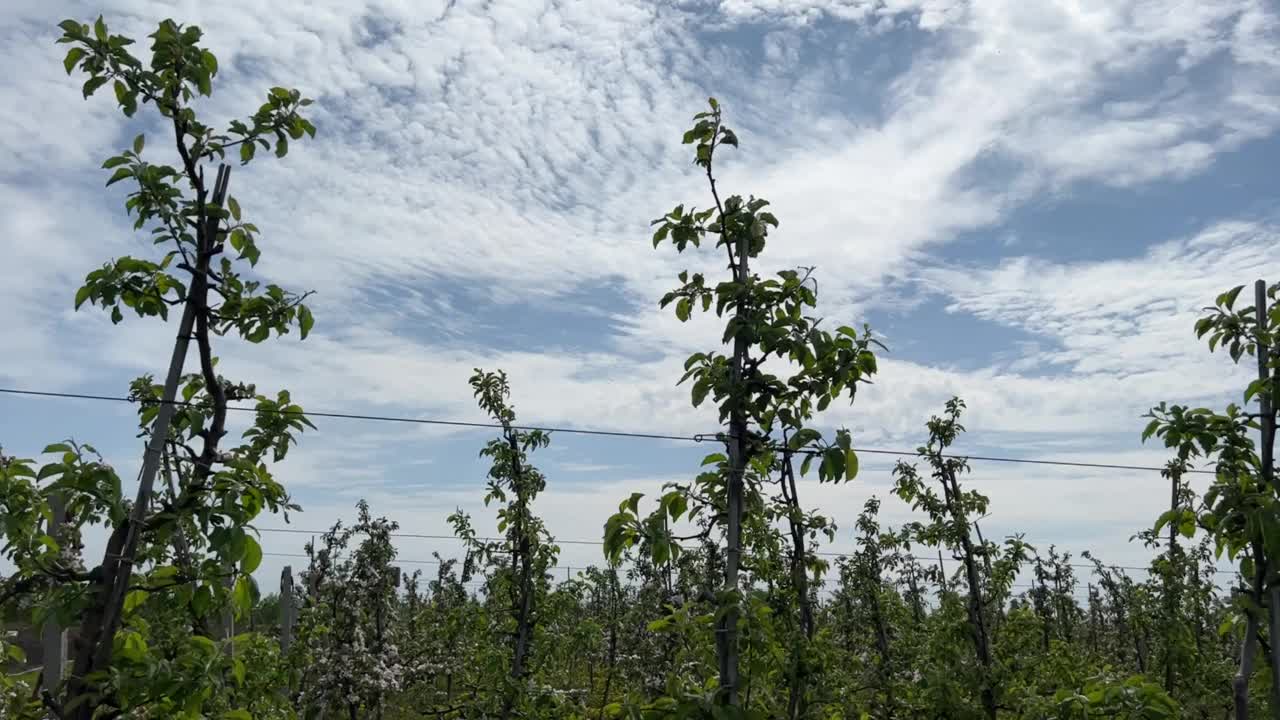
column 613, row 640
column 800, row 580
column 1267, row 427
column 102, row 618
column 977, row 619
column 1171, row 604
column 1240, row 683
column 882, row 647
column 1095, row 622
column 917, row 612
column 998, row 615
column 1042, row 605
column 942, row 574
column 727, row 627
column 1249, row 647
column 524, row 629
column 53, row 637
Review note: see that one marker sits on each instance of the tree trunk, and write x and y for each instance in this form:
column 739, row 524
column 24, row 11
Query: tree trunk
column 524, row 569
column 882, row 647
column 53, row 637
column 800, row 581
column 917, row 612
column 1267, row 428
column 1171, row 603
column 102, row 617
column 977, row 615
column 998, row 616
column 1240, row 683
column 727, row 627
column 613, row 640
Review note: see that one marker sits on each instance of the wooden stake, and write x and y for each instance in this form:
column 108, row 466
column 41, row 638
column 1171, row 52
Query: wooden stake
column 53, row 637
column 1267, row 426
column 288, row 612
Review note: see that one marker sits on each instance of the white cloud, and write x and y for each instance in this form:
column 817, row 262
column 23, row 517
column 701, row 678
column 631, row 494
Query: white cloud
column 518, row 150
column 1130, row 318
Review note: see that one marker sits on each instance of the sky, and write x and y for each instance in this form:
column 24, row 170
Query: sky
column 1029, row 202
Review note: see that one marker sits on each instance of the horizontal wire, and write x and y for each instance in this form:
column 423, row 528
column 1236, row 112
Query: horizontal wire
column 597, row 543
column 696, row 438
column 480, row 583
column 608, row 433
column 377, row 418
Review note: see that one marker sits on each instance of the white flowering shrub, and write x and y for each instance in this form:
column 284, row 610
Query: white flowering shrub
column 347, row 655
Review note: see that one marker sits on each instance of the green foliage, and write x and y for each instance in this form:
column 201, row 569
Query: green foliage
column 180, row 70
column 520, row 561
column 1134, row 698
column 156, row 615
column 714, row 602
column 1240, row 510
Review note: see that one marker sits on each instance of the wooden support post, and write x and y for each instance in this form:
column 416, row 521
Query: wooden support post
column 288, row 610
column 1267, row 428
column 53, row 637
column 942, row 573
column 228, row 629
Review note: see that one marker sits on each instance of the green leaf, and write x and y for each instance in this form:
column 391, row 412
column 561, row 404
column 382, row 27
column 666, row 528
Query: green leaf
column 100, row 29
column 1228, row 298
column 660, row 234
column 242, row 595
column 246, row 152
column 209, row 61
column 201, row 601
column 850, row 464
column 74, row 55
column 138, row 142
column 683, row 309
column 252, row 555
column 50, row 470
column 119, row 175
column 305, row 320
column 56, row 448
column 132, row 646
column 134, row 600
column 202, row 643
column 116, row 315
column 92, row 84
column 1150, row 429
column 699, row 392
column 234, row 207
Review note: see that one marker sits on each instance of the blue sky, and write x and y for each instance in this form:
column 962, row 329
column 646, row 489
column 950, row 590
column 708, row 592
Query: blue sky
column 1029, row 201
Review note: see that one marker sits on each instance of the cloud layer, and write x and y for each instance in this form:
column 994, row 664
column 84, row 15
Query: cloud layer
column 484, row 176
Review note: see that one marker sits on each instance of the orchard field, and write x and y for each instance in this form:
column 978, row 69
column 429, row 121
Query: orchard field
column 714, row 599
